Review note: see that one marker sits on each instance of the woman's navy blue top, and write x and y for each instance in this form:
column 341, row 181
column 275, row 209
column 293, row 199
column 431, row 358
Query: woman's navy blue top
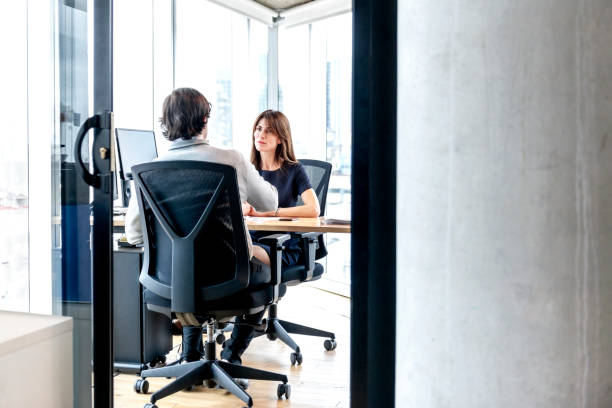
column 290, row 181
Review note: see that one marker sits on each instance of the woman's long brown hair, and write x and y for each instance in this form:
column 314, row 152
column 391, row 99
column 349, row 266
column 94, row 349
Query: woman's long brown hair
column 279, row 124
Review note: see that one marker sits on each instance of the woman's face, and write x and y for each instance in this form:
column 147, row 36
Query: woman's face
column 264, row 138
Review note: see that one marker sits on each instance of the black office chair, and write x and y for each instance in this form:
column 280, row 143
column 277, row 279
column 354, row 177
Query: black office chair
column 313, row 246
column 197, row 265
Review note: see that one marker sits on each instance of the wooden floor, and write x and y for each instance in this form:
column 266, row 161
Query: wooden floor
column 321, row 381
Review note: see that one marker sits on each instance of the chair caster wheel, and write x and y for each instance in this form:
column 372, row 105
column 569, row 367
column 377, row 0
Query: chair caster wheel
column 210, row 383
column 271, row 336
column 330, row 344
column 141, row 386
column 296, row 358
column 189, row 388
column 219, row 338
column 148, row 405
column 283, row 389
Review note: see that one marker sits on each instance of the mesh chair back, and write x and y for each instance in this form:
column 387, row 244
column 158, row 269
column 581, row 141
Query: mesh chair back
column 319, row 173
column 194, row 236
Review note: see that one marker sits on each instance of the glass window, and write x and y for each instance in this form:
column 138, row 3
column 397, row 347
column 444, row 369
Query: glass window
column 315, row 94
column 223, row 54
column 133, row 64
column 14, row 279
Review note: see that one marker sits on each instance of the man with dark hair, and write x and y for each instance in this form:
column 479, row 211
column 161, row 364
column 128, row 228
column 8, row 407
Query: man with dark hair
column 184, row 121
column 185, row 114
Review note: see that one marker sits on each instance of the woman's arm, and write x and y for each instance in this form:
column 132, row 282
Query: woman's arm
column 310, row 209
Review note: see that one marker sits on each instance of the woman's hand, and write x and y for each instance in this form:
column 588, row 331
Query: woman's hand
column 310, row 208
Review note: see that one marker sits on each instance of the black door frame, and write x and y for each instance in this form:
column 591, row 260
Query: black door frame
column 373, row 183
column 373, row 245
column 102, row 206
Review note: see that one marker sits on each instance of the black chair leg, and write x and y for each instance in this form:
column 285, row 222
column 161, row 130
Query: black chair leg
column 229, row 384
column 221, row 372
column 190, row 378
column 308, row 331
column 172, row 371
column 282, row 328
column 280, row 332
column 237, row 371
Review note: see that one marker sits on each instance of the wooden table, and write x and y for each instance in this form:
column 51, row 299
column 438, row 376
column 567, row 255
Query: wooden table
column 320, row 224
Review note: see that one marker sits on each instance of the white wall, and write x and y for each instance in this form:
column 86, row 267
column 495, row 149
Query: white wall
column 504, row 204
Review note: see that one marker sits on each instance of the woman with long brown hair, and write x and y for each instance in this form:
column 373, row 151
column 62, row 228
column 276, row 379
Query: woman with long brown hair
column 272, row 155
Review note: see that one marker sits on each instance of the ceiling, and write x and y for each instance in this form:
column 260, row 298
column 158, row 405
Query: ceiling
column 279, row 5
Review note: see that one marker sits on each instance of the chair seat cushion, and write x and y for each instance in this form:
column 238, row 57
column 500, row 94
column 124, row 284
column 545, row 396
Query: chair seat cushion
column 258, row 294
column 297, row 273
column 244, row 302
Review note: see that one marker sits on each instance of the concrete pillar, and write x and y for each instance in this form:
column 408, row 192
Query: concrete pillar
column 504, row 203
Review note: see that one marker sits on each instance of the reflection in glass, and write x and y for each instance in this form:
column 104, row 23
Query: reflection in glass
column 223, row 54
column 14, row 279
column 315, row 94
column 71, row 237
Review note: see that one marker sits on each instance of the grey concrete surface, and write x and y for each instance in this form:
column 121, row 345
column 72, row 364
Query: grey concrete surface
column 504, row 203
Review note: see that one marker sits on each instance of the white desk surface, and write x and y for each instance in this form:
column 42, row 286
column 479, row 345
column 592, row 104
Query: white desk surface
column 23, row 329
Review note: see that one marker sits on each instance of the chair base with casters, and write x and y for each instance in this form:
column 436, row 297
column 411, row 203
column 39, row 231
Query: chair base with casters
column 211, row 372
column 290, row 276
column 280, row 329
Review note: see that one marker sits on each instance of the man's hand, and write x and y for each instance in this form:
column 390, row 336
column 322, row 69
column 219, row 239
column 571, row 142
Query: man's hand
column 255, row 213
column 247, row 209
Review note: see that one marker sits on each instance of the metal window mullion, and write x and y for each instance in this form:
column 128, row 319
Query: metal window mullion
column 273, row 66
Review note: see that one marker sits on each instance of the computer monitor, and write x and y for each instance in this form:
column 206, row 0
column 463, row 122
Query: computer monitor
column 134, row 147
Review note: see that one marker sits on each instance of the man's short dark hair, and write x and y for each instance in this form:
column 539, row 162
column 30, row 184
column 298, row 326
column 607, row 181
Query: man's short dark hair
column 184, row 114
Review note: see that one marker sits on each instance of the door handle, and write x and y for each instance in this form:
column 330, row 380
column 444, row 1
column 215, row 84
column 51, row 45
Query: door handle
column 101, row 120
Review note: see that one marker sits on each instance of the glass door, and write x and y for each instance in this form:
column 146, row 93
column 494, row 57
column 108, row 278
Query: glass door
column 14, row 243
column 71, row 236
column 56, row 76
column 82, row 192
column 315, row 69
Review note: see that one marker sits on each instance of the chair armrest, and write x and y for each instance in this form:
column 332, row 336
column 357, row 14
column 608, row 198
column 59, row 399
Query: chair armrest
column 313, row 235
column 275, row 242
column 310, row 243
